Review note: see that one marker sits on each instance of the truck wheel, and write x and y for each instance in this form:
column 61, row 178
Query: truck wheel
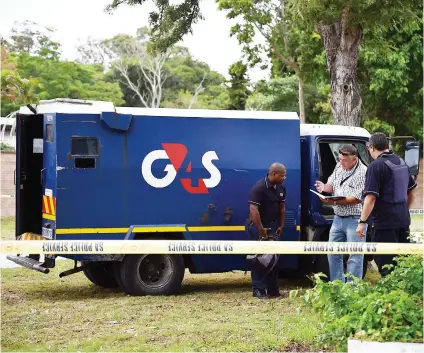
column 152, row 274
column 101, row 274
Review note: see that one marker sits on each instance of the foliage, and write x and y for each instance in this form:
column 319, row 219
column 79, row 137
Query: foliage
column 32, row 38
column 59, row 79
column 285, row 41
column 15, row 90
column 389, row 311
column 377, row 125
column 6, row 148
column 281, row 94
column 238, row 90
column 169, row 23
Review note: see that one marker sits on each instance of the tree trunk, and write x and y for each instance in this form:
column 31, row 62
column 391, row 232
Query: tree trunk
column 341, row 45
column 302, row 101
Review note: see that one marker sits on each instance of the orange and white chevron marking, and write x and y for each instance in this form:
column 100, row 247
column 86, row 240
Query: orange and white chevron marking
column 49, row 207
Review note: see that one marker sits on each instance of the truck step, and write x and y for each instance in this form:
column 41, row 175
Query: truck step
column 28, row 263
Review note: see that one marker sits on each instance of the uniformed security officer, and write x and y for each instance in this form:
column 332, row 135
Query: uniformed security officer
column 266, row 216
column 388, row 196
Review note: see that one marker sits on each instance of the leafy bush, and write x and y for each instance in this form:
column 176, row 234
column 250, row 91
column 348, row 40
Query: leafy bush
column 392, row 310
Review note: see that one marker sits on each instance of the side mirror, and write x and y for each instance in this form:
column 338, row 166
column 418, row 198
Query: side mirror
column 412, row 156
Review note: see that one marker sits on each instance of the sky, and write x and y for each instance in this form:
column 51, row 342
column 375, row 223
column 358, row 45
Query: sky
column 76, row 20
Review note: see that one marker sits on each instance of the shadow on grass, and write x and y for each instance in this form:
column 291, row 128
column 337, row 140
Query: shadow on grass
column 63, row 292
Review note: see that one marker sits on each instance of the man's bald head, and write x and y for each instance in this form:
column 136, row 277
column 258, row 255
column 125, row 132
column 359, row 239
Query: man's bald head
column 277, row 173
column 277, row 167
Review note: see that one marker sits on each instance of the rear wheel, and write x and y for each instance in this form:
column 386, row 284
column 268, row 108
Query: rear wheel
column 152, row 274
column 101, row 274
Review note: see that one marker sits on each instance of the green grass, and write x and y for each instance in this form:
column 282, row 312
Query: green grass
column 214, row 313
column 7, row 228
column 417, row 223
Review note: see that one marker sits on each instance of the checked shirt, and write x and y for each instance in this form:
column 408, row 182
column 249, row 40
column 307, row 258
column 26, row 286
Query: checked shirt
column 353, row 186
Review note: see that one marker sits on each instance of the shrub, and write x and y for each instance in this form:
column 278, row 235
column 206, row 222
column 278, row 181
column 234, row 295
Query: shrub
column 392, row 310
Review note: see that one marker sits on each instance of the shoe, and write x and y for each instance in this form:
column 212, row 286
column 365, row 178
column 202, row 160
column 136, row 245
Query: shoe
column 259, row 294
column 277, row 296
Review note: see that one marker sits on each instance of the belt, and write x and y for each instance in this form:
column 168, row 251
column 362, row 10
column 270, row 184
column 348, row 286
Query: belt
column 352, row 215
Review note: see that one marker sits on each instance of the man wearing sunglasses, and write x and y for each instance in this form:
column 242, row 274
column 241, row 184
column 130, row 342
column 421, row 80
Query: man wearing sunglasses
column 348, row 180
column 388, row 196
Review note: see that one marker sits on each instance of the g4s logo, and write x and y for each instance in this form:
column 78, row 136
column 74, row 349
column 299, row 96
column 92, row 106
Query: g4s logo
column 176, row 154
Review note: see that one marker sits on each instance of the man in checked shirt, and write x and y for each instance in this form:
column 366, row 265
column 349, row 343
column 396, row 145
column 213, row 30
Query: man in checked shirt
column 348, row 179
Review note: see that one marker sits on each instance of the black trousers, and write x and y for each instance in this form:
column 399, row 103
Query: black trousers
column 388, row 236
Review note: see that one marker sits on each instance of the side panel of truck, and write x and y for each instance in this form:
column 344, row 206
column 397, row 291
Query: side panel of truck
column 102, row 189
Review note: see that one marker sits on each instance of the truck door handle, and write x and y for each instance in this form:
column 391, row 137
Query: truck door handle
column 42, row 175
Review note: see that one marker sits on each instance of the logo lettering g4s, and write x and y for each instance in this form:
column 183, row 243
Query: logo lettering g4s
column 176, row 154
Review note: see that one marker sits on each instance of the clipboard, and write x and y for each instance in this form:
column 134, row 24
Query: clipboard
column 327, row 197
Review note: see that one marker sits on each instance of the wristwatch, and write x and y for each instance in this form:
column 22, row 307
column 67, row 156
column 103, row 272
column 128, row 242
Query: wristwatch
column 361, row 221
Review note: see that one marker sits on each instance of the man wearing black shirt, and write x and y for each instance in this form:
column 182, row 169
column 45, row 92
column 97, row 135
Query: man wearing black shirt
column 266, row 216
column 389, row 193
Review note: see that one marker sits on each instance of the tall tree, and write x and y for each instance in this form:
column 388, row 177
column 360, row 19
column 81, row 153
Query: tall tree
column 284, row 39
column 34, row 39
column 127, row 55
column 15, row 90
column 238, row 90
column 341, row 25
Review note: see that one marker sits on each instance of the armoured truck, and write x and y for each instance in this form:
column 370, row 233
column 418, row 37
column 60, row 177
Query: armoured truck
column 87, row 170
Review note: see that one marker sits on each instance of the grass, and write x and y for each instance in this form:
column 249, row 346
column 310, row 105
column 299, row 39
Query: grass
column 7, row 228
column 214, row 313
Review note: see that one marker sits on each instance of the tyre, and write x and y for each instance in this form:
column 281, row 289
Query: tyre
column 152, row 274
column 117, row 275
column 101, row 274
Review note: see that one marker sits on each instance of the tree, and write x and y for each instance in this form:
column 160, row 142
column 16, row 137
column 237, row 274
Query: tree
column 127, row 55
column 15, row 90
column 34, row 39
column 341, row 25
column 238, row 90
column 279, row 94
column 169, row 23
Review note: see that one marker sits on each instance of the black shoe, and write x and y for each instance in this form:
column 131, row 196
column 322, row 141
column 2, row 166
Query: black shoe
column 259, row 294
column 277, row 295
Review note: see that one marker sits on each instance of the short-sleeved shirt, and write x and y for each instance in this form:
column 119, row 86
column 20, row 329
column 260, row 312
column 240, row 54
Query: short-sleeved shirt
column 386, row 215
column 348, row 183
column 268, row 198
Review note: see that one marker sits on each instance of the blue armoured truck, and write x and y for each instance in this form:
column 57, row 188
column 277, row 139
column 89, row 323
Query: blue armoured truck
column 86, row 170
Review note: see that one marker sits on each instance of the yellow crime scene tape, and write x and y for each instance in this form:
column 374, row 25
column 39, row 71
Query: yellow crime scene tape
column 59, row 247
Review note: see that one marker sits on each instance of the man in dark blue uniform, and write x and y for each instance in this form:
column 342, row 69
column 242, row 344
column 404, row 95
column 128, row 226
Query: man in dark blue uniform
column 389, row 194
column 266, row 216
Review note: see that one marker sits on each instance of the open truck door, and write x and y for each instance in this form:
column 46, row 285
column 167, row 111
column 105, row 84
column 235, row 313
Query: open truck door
column 411, row 153
column 30, row 180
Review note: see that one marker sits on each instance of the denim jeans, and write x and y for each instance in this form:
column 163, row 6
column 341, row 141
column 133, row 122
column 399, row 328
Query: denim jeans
column 260, row 279
column 342, row 230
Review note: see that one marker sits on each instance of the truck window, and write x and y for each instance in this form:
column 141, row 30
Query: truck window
column 49, row 133
column 84, row 150
column 84, row 146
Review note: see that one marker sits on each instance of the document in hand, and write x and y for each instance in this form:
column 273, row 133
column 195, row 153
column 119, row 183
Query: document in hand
column 328, row 197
